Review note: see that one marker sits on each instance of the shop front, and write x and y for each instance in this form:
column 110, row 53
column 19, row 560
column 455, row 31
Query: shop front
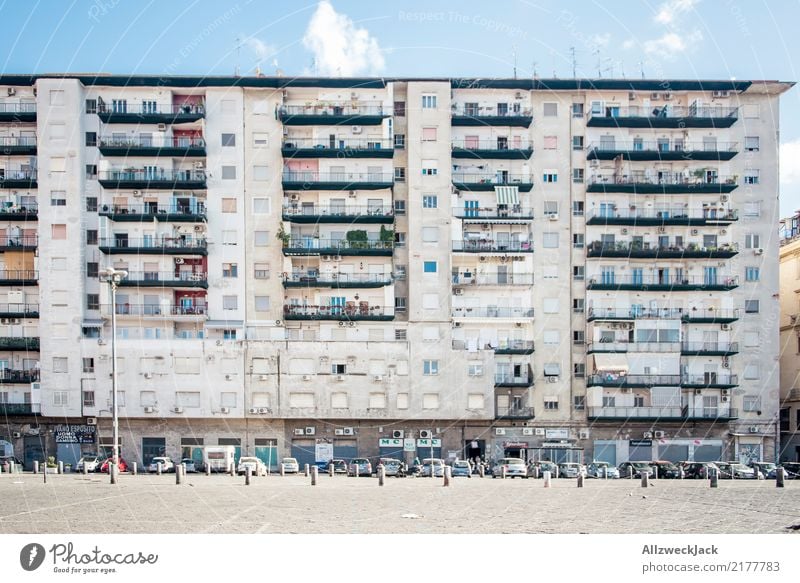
column 429, row 448
column 391, row 448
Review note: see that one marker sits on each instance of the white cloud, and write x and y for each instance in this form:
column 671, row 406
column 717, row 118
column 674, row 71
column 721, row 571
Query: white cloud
column 670, row 10
column 600, row 40
column 261, row 50
column 672, row 43
column 341, row 48
column 790, row 176
column 629, row 44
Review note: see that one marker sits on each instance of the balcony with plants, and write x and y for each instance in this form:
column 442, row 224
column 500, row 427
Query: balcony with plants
column 479, row 114
column 153, row 178
column 21, row 177
column 355, row 242
column 694, row 181
column 182, row 109
column 639, row 249
column 681, row 216
column 609, row 281
column 171, row 146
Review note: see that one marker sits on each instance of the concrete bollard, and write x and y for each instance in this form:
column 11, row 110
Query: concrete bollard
column 35, row 467
column 283, row 470
column 232, row 470
column 714, row 478
column 604, row 470
column 314, row 474
column 178, row 476
column 306, row 470
column 557, row 472
column 580, row 480
column 681, row 473
column 447, row 476
column 247, row 476
column 780, row 476
column 85, row 469
column 208, row 469
column 60, row 468
column 330, row 469
column 645, row 479
column 503, row 472
column 481, row 470
column 159, row 469
column 381, row 475
column 546, row 477
column 113, row 471
column 135, row 469
column 12, row 467
column 630, row 475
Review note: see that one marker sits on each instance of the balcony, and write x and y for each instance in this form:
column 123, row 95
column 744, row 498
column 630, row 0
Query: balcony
column 634, row 381
column 8, row 376
column 514, row 413
column 337, row 280
column 661, row 217
column 157, row 310
column 499, row 149
column 337, row 247
column 150, row 212
column 10, row 212
column 666, row 183
column 18, row 146
column 710, row 316
column 491, row 116
column 644, row 250
column 333, row 114
column 502, row 213
column 18, row 178
column 176, row 147
column 364, row 214
column 640, row 151
column 492, row 279
column 636, row 283
column 165, row 279
column 19, row 310
column 158, row 179
column 709, row 381
column 481, row 182
column 29, row 243
column 16, row 409
column 18, row 112
column 510, row 380
column 710, row 413
column 19, row 277
column 492, row 312
column 709, row 348
column 491, row 246
column 154, row 246
column 150, row 113
column 664, row 116
column 622, row 347
column 635, row 413
column 19, row 343
column 302, row 180
column 523, row 347
column 351, row 312
column 339, row 149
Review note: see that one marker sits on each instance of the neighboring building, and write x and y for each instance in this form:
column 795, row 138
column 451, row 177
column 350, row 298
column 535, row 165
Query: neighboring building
column 790, row 339
column 556, row 269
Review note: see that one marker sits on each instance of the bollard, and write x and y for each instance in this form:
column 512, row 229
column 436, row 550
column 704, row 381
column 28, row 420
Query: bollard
column 330, row 468
column 503, row 472
column 183, row 470
column 135, row 469
column 580, row 480
column 557, row 472
column 605, row 472
column 60, row 467
column 780, row 475
column 85, row 469
column 654, row 472
column 481, row 470
column 630, row 475
column 232, row 470
column 247, row 476
column 447, row 475
column 283, row 470
column 35, row 467
column 306, row 470
column 645, row 479
column 113, row 469
column 381, row 475
column 208, row 469
column 314, row 474
column 178, row 476
column 158, row 469
column 681, row 473
column 714, row 478
column 546, row 477
column 358, row 471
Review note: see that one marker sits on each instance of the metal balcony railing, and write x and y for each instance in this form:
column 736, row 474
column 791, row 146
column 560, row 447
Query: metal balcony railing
column 656, row 281
column 653, row 249
column 159, row 175
column 20, row 408
column 336, row 279
column 492, row 145
column 338, row 211
column 154, row 243
column 635, row 412
column 290, row 143
column 165, row 277
column 17, row 275
column 710, row 347
column 709, row 380
column 489, row 246
column 494, row 212
column 662, row 214
column 489, row 111
column 158, row 310
column 333, row 245
column 18, row 142
column 666, row 111
column 510, row 379
column 710, row 412
column 337, row 177
column 19, row 310
column 21, row 107
column 493, row 179
column 664, row 179
column 350, row 311
column 621, row 346
column 19, row 376
column 17, row 174
column 492, row 312
column 151, row 108
column 148, row 142
column 514, row 413
column 493, row 278
column 153, row 209
column 617, row 380
column 662, row 147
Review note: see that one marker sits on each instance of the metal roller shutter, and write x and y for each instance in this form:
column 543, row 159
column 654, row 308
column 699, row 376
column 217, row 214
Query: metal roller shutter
column 605, row 451
column 345, row 449
column 708, row 453
column 303, row 450
column 673, row 453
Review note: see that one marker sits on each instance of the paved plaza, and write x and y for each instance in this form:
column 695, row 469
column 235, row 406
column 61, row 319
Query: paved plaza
column 223, row 504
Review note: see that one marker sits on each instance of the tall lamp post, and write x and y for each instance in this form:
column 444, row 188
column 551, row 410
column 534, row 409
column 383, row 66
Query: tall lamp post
column 114, row 277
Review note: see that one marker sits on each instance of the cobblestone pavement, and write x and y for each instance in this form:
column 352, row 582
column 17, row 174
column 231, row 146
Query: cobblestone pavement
column 223, row 504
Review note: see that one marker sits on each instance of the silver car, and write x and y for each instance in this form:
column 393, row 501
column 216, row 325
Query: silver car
column 256, row 466
column 290, row 465
column 569, row 470
column 598, row 469
column 434, row 465
column 515, row 468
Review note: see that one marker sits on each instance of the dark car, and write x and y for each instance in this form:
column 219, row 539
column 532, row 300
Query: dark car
column 699, row 470
column 791, row 470
column 339, row 466
column 543, row 467
column 665, row 469
column 766, row 469
column 635, row 469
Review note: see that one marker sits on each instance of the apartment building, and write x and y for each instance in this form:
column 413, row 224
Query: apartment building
column 789, row 234
column 552, row 269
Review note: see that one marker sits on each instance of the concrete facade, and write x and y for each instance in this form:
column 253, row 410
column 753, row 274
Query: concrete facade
column 790, row 342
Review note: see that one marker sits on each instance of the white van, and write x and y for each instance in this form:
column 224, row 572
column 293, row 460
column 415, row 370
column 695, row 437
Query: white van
column 218, row 457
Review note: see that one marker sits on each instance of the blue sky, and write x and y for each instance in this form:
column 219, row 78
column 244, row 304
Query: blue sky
column 720, row 39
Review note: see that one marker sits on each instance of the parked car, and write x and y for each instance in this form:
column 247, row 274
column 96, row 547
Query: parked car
column 543, row 467
column 569, row 470
column 597, row 469
column 462, row 468
column 698, row 470
column 290, row 465
column 635, row 469
column 742, row 472
column 360, row 466
column 434, row 465
column 791, row 470
column 167, row 465
column 666, row 469
column 191, row 465
column 121, row 464
column 339, row 466
column 514, row 466
column 257, row 467
column 766, row 469
column 92, row 463
column 393, row 468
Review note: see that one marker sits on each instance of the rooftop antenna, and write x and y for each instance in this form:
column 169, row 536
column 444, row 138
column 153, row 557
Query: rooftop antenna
column 535, row 74
column 641, row 68
column 574, row 63
column 622, row 68
column 514, row 55
column 314, row 65
column 238, row 53
column 596, row 52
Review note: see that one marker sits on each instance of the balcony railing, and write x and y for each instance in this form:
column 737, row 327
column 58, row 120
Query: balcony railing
column 625, row 249
column 340, row 280
column 383, row 214
column 171, row 245
column 341, row 113
column 10, row 409
column 19, row 310
column 665, row 183
column 339, row 148
column 16, row 212
column 18, row 376
column 514, row 413
column 475, row 181
column 489, row 246
column 514, row 347
column 481, row 115
column 155, row 179
column 303, row 180
column 18, row 178
column 709, row 316
column 619, row 413
column 510, row 380
column 664, row 116
column 621, row 346
column 710, row 413
column 469, row 278
column 711, row 381
column 19, row 243
column 632, row 381
column 709, row 348
column 18, row 277
column 154, row 211
column 165, row 279
column 360, row 311
column 501, row 213
column 492, row 312
column 19, row 343
column 679, row 216
column 180, row 146
column 25, row 145
column 650, row 150
column 492, row 149
column 21, row 111
column 158, row 310
column 150, row 112
column 655, row 283
column 688, row 315
column 337, row 247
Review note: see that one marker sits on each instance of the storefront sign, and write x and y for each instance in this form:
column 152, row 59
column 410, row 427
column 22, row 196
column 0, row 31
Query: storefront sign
column 427, row 443
column 556, row 433
column 408, row 444
column 640, row 443
column 323, row 451
column 75, row 433
column 398, row 443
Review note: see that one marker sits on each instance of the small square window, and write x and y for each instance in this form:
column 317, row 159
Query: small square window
column 577, row 142
column 262, row 303
column 228, row 205
column 430, row 367
column 429, row 267
column 228, row 140
column 91, row 172
column 550, row 109
column 230, row 270
column 751, row 306
column 230, row 302
column 261, row 270
column 91, row 236
column 91, row 204
column 428, row 134
column 92, row 269
column 261, row 238
column 577, row 110
column 88, row 364
column 91, row 106
column 229, row 172
column 429, row 102
column 399, row 207
column 430, row 201
column 400, row 141
column 92, row 301
column 400, row 108
column 399, row 174
column 91, row 139
column 58, row 198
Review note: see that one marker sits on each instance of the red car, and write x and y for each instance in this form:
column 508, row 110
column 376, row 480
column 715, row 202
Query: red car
column 123, row 465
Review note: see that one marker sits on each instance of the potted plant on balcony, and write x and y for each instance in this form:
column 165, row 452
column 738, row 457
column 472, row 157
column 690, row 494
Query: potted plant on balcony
column 699, row 174
column 357, row 239
column 283, row 236
column 386, row 236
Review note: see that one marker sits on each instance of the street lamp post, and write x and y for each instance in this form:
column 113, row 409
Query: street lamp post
column 114, row 277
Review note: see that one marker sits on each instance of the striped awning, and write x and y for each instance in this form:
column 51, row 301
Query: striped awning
column 611, row 362
column 507, row 194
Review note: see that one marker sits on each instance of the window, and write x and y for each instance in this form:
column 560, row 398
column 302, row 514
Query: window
column 430, row 234
column 752, row 241
column 751, row 306
column 261, row 206
column 400, row 141
column 399, row 174
column 751, row 403
column 88, row 398
column 751, row 143
column 228, row 205
column 578, row 337
column 430, row 401
column 550, row 208
column 92, row 269
column 228, row 140
column 91, row 174
column 578, row 272
column 550, row 305
column 577, row 110
column 377, row 400
column 399, row 207
column 430, row 367
column 578, row 240
column 551, row 403
column 550, row 109
column 91, row 236
column 475, row 401
column 399, row 239
column 579, row 401
column 261, row 270
column 577, row 208
column 338, row 368
column 187, row 399
column 229, row 334
column 550, row 272
column 429, row 267
column 60, row 398
column 577, row 142
column 91, row 204
column 752, row 210
column 230, row 270
column 429, row 102
column 56, row 97
column 399, row 304
column 475, row 369
column 400, row 108
column 550, row 142
column 229, row 172
column 58, row 198
column 430, row 167
column 550, row 337
column 60, row 364
column 402, row 401
column 262, row 303
column 260, row 140
column 59, row 233
column 260, row 173
column 752, row 371
column 751, row 177
column 261, row 238
column 400, row 334
column 91, row 138
column 550, row 176
column 230, row 302
column 88, row 364
column 428, row 134
column 550, row 240
column 578, row 305
column 579, row 370
column 752, row 273
column 430, row 201
column 430, row 334
column 577, row 175
column 91, row 106
column 92, row 301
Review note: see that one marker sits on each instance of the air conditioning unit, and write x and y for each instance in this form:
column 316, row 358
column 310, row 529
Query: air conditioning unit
column 724, row 198
column 16, row 435
column 658, row 434
column 137, row 194
column 725, row 326
column 655, row 96
column 698, row 391
column 262, row 377
column 199, row 228
column 458, row 291
column 36, row 386
column 725, row 362
column 338, row 431
column 667, row 96
column 759, row 251
column 753, row 429
column 228, row 377
column 162, row 127
column 326, row 258
column 377, row 378
column 224, row 409
column 177, row 410
column 482, row 258
column 723, row 232
column 294, row 197
column 306, row 377
column 662, row 230
column 299, row 431
column 456, row 324
column 527, row 431
column 625, row 390
column 723, row 399
column 356, row 129
column 310, row 430
column 253, row 410
column 552, row 379
column 518, row 95
column 278, row 323
column 725, row 392
column 12, row 91
column 101, row 342
column 583, row 434
column 695, row 231
column 631, row 96
column 263, row 410
column 351, row 194
column 179, row 261
column 647, row 435
column 149, row 409
column 148, row 375
column 499, row 431
column 425, row 433
column 91, row 421
column 724, row 93
column 340, row 378
column 539, row 431
column 348, row 431
column 398, row 434
column 553, row 216
column 624, row 231
column 199, row 165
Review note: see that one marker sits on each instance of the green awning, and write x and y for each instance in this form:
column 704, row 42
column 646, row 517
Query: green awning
column 507, row 194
